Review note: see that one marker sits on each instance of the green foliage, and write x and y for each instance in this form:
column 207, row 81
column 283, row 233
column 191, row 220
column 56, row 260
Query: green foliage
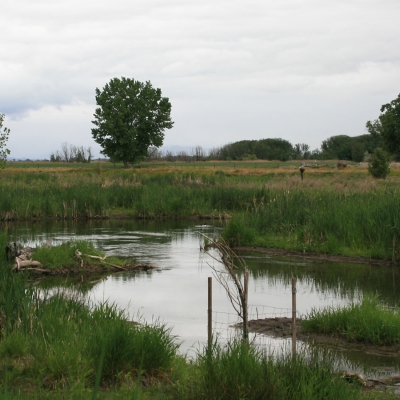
column 127, row 346
column 301, row 151
column 378, row 165
column 63, row 255
column 368, row 321
column 387, row 127
column 344, row 147
column 241, row 371
column 60, row 341
column 131, row 117
column 337, row 147
column 238, row 233
column 3, row 140
column 15, row 293
column 265, row 149
column 298, row 220
column 357, row 152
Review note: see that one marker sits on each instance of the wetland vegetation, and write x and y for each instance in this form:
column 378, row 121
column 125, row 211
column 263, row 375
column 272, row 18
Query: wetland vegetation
column 53, row 346
column 57, row 346
column 332, row 211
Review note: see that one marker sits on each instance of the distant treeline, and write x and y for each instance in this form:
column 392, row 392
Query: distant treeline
column 341, row 147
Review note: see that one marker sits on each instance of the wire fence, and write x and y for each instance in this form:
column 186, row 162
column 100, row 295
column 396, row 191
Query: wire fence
column 264, row 322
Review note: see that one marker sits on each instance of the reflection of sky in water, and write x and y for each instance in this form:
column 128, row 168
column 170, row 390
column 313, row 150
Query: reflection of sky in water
column 176, row 293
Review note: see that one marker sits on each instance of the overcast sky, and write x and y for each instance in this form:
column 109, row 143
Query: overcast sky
column 301, row 70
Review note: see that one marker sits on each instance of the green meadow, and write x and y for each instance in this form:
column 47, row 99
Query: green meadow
column 344, row 212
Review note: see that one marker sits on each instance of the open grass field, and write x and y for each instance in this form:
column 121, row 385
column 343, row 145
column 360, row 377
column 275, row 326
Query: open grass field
column 334, row 211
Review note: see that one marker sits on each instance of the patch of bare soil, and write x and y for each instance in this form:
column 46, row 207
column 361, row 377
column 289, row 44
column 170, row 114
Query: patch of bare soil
column 315, row 256
column 282, row 327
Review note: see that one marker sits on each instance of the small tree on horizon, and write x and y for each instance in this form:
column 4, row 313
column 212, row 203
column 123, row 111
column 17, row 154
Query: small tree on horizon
column 378, row 165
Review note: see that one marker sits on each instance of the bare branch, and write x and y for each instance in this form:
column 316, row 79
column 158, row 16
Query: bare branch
column 226, row 271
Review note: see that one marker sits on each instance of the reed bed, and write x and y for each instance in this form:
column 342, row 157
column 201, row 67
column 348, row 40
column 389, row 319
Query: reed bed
column 348, row 223
column 368, row 321
column 241, row 371
column 57, row 346
column 336, row 212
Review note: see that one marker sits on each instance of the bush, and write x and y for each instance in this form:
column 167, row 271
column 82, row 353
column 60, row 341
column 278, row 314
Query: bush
column 379, row 164
column 238, row 233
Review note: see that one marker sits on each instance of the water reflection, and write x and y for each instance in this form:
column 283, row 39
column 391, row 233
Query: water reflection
column 177, row 291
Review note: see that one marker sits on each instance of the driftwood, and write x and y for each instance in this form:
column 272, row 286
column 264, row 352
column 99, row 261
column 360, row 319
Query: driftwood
column 113, row 265
column 25, row 263
column 354, row 376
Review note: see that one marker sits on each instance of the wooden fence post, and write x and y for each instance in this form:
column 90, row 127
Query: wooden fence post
column 294, row 312
column 209, row 327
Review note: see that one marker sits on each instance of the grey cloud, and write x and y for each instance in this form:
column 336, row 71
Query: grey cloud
column 254, row 56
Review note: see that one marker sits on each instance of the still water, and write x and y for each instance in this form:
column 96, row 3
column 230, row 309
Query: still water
column 176, row 292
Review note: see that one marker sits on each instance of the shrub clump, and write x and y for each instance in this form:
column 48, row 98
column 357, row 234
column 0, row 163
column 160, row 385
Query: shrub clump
column 378, row 165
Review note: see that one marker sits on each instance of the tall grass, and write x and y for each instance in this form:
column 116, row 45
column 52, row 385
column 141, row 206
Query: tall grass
column 16, row 294
column 333, row 212
column 54, row 341
column 54, row 346
column 350, row 223
column 240, row 371
column 64, row 342
column 367, row 321
column 65, row 254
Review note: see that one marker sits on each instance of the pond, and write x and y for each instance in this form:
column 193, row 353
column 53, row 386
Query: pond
column 176, row 292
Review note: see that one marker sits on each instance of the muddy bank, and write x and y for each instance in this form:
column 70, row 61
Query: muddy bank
column 281, row 327
column 314, row 256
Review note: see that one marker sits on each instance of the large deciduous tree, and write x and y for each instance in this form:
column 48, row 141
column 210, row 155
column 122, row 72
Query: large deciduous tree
column 388, row 126
column 131, row 117
column 4, row 133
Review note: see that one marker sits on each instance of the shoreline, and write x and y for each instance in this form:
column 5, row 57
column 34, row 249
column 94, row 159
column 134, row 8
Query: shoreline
column 315, row 256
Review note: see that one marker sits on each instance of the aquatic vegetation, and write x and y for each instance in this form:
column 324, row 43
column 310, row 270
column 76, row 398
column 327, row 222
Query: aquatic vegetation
column 367, row 321
column 338, row 212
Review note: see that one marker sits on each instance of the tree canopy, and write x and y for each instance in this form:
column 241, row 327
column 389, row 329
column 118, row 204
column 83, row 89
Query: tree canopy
column 4, row 133
column 264, row 149
column 131, row 117
column 387, row 126
column 343, row 147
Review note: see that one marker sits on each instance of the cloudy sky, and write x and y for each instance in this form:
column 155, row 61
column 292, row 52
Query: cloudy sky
column 301, row 70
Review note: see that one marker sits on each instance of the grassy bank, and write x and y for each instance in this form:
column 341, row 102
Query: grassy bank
column 55, row 346
column 347, row 223
column 368, row 321
column 337, row 212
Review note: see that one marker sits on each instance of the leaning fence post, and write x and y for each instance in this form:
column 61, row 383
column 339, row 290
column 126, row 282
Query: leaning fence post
column 294, row 312
column 209, row 327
